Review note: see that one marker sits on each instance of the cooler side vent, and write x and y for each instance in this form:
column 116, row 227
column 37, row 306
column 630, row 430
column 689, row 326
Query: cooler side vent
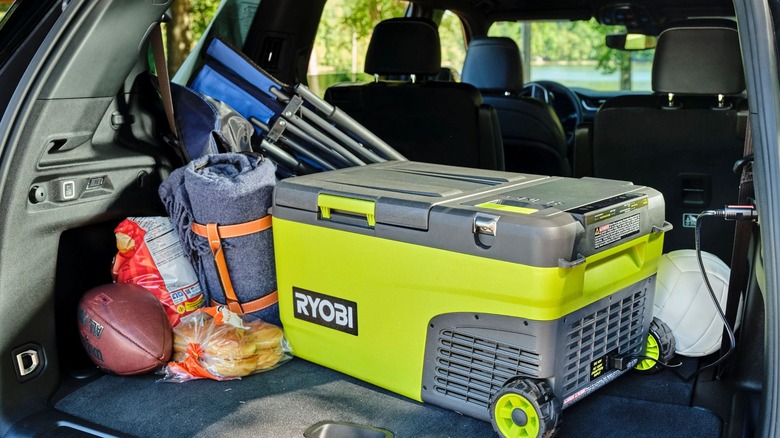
column 471, row 369
column 615, row 328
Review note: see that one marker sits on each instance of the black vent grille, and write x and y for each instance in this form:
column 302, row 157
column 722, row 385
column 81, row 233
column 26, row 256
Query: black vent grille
column 470, row 369
column 270, row 53
column 615, row 328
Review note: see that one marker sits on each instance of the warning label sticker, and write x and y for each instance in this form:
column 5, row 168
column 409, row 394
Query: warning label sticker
column 617, row 210
column 597, row 367
column 614, row 231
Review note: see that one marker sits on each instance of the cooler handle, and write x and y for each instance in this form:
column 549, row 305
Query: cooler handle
column 565, row 264
column 328, row 203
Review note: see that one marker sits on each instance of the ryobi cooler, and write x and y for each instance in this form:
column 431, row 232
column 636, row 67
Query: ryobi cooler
column 466, row 288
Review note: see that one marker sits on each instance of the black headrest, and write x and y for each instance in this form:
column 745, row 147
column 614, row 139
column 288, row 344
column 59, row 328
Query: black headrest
column 493, row 64
column 700, row 60
column 401, row 46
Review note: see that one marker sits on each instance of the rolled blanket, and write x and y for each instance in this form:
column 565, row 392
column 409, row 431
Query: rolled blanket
column 218, row 191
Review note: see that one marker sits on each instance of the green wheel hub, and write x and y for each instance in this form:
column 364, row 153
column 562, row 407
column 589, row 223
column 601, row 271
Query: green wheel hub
column 525, row 408
column 515, row 416
column 653, row 350
column 659, row 348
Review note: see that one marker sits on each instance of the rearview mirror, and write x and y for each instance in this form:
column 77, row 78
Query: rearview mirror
column 631, row 41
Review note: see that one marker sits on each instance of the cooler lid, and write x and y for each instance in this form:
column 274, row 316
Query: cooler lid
column 398, row 193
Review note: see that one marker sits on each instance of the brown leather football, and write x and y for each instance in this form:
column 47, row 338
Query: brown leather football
column 124, row 329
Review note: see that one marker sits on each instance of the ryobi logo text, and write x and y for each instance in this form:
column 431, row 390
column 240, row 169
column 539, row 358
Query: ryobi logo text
column 326, row 310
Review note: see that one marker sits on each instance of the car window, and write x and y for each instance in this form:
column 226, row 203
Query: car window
column 193, row 22
column 574, row 54
column 342, row 40
column 453, row 44
column 17, row 20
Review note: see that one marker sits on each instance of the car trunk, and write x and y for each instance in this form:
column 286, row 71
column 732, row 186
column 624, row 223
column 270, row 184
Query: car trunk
column 73, row 125
column 288, row 400
column 297, row 395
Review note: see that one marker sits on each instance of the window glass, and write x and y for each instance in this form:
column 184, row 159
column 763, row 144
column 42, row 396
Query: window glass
column 197, row 20
column 453, row 44
column 574, row 54
column 17, row 21
column 342, row 40
column 189, row 21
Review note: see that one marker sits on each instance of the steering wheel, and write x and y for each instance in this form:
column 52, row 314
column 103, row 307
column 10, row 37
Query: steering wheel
column 564, row 102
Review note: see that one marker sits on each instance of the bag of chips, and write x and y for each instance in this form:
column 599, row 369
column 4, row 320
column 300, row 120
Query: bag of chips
column 150, row 255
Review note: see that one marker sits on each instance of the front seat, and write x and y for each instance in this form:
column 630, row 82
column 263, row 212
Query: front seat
column 534, row 140
column 425, row 120
column 685, row 138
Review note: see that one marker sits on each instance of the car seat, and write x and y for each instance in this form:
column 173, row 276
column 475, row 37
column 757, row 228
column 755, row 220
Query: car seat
column 425, row 120
column 534, row 140
column 684, row 139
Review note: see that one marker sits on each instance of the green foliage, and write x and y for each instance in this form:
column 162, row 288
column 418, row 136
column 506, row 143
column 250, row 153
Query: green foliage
column 561, row 41
column 346, row 25
column 453, row 43
column 578, row 42
column 360, row 16
column 509, row 29
column 332, row 45
column 201, row 12
column 344, row 32
column 609, row 60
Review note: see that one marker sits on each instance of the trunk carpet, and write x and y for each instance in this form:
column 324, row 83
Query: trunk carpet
column 286, row 401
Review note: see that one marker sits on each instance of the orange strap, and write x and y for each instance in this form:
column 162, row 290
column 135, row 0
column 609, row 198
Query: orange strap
column 215, row 233
column 237, row 230
column 255, row 305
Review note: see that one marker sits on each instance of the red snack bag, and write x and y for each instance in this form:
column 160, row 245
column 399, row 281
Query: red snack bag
column 150, row 255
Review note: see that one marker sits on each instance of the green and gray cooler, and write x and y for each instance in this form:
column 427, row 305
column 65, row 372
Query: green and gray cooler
column 498, row 295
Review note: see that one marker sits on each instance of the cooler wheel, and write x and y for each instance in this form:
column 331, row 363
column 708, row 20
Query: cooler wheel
column 525, row 408
column 660, row 347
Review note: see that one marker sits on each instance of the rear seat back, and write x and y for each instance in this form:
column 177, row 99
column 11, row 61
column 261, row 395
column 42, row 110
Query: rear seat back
column 425, row 120
column 534, row 140
column 685, row 138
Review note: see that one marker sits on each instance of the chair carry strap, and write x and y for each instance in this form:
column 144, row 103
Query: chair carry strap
column 215, row 233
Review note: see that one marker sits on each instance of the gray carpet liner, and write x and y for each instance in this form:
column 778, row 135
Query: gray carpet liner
column 286, row 401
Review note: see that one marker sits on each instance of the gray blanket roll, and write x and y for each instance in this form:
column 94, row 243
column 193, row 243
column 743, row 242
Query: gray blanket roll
column 226, row 189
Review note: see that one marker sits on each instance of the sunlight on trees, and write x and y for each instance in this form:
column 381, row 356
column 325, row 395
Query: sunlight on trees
column 342, row 39
column 453, row 43
column 190, row 18
column 574, row 43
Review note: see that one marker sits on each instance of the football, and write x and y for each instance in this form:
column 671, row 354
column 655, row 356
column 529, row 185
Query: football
column 124, row 329
column 684, row 304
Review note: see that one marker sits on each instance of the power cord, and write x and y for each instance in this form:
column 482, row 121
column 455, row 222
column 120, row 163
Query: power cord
column 734, row 213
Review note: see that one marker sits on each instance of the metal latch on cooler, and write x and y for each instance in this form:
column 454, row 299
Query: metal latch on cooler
column 485, row 224
column 484, row 229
